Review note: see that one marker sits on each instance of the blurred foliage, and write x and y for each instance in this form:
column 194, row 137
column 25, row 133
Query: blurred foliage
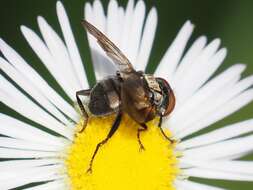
column 229, row 20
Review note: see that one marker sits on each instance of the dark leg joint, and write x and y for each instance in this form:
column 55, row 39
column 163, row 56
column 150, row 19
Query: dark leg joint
column 163, row 133
column 144, row 128
column 114, row 128
column 81, row 106
column 94, row 154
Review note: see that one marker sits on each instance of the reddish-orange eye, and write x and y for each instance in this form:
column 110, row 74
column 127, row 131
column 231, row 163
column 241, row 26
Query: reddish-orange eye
column 171, row 104
column 169, row 101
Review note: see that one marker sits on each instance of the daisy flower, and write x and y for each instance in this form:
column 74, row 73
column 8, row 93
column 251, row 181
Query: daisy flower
column 47, row 149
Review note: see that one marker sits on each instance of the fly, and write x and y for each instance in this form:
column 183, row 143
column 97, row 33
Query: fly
column 141, row 96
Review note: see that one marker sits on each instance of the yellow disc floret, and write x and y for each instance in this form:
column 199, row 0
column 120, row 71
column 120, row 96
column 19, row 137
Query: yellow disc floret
column 119, row 164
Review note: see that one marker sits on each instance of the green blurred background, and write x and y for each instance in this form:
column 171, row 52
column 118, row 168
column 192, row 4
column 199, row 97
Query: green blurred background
column 230, row 20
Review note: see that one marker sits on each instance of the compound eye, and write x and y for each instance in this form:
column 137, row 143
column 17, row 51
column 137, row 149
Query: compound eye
column 169, row 97
column 171, row 103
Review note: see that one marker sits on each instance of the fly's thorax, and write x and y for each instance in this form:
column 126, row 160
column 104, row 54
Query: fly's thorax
column 156, row 94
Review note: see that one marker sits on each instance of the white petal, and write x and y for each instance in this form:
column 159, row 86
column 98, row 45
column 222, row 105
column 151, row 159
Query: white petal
column 222, row 149
column 198, row 73
column 13, row 153
column 127, row 27
column 14, row 128
column 111, row 30
column 13, row 98
column 71, row 45
column 187, row 62
column 237, row 167
column 203, row 73
column 167, row 66
column 45, row 173
column 10, row 174
column 206, row 93
column 190, row 185
column 217, row 101
column 147, row 40
column 13, row 165
column 21, row 172
column 32, row 90
column 88, row 15
column 236, row 156
column 26, row 145
column 220, row 134
column 42, row 51
column 212, row 65
column 211, row 174
column 99, row 19
column 19, row 63
column 112, row 27
column 121, row 15
column 221, row 112
column 60, row 56
column 53, row 185
column 136, row 31
column 103, row 66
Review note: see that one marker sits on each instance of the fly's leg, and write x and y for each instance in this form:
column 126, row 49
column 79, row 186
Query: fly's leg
column 163, row 133
column 114, row 128
column 85, row 114
column 143, row 128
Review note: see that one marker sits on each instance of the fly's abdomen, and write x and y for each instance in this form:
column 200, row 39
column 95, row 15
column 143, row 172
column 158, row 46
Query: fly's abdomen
column 104, row 98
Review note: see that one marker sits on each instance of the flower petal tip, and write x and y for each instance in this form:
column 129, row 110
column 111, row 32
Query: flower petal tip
column 140, row 4
column 59, row 4
column 153, row 11
column 188, row 23
column 241, row 66
column 2, row 44
column 217, row 42
column 224, row 51
column 23, row 28
column 59, row 7
column 40, row 19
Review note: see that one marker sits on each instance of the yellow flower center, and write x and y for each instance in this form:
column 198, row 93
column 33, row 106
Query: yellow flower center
column 119, row 164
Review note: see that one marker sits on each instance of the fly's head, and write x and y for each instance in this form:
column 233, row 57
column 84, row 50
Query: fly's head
column 160, row 94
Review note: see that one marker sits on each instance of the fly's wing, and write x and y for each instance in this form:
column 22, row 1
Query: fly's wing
column 110, row 48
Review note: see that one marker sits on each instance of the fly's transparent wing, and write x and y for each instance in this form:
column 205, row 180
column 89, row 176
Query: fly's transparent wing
column 110, row 48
